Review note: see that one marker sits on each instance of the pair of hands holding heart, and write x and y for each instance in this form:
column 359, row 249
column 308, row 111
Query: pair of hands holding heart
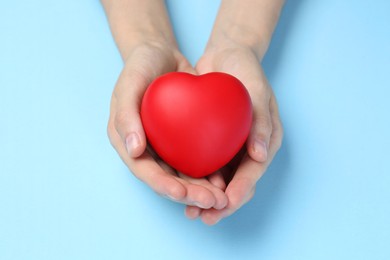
column 223, row 192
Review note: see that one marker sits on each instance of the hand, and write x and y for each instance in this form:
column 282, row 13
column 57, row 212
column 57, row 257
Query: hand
column 146, row 61
column 239, row 177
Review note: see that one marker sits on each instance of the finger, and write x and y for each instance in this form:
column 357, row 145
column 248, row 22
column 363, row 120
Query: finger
column 243, row 184
column 259, row 137
column 138, row 73
column 197, row 194
column 239, row 191
column 241, row 188
column 149, row 171
column 192, row 212
column 213, row 216
column 165, row 166
column 201, row 193
column 217, row 179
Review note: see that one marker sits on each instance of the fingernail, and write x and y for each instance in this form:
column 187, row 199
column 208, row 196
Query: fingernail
column 199, row 205
column 170, row 197
column 132, row 143
column 260, row 148
column 196, row 203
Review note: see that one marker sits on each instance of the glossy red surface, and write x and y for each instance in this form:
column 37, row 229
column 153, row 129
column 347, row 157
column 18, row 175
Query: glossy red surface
column 196, row 124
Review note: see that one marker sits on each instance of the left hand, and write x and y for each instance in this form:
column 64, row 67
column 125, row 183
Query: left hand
column 147, row 60
column 239, row 177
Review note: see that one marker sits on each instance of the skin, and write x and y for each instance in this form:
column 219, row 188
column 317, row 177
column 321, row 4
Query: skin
column 237, row 44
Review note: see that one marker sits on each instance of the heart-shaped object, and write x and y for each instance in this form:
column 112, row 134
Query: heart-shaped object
column 196, row 124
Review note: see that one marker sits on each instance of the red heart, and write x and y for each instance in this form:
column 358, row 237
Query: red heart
column 196, row 124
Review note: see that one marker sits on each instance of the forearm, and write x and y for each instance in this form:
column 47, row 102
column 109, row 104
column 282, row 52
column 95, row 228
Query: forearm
column 136, row 21
column 250, row 23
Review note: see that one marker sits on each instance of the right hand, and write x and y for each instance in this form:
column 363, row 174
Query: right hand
column 145, row 62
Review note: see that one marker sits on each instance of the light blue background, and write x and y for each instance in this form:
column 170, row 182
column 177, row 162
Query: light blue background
column 65, row 194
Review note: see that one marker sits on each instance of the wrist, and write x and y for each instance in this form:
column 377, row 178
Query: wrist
column 235, row 36
column 250, row 24
column 135, row 22
column 140, row 37
column 140, row 40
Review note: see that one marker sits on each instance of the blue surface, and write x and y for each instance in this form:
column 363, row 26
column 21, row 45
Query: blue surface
column 65, row 194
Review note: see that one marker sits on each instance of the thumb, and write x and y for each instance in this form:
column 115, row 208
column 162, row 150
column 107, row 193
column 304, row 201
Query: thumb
column 259, row 138
column 127, row 98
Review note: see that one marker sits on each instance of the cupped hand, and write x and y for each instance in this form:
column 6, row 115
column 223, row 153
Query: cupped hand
column 145, row 62
column 238, row 179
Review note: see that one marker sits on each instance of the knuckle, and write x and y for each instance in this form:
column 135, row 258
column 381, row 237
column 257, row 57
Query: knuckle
column 263, row 121
column 121, row 119
column 234, row 203
column 238, row 199
column 263, row 126
column 177, row 193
